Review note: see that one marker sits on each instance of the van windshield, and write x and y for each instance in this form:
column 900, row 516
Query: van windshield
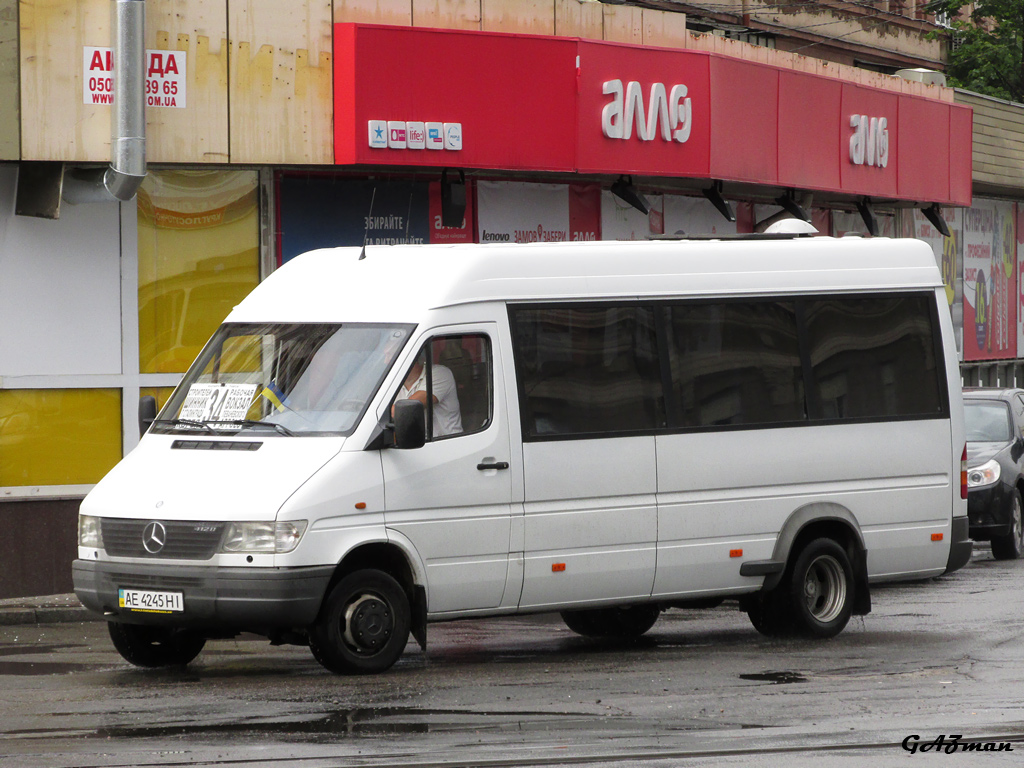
column 284, row 378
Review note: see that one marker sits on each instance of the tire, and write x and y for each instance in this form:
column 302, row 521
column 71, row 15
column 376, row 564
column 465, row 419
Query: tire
column 146, row 646
column 363, row 626
column 769, row 614
column 1011, row 545
column 621, row 623
column 820, row 590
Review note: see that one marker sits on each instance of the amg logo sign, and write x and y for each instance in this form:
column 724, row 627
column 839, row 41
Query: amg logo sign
column 869, row 144
column 668, row 112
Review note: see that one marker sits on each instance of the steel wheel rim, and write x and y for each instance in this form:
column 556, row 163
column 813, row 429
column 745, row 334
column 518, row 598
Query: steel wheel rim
column 825, row 588
column 369, row 622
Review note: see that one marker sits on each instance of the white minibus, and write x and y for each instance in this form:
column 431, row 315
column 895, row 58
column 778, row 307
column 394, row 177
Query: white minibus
column 380, row 438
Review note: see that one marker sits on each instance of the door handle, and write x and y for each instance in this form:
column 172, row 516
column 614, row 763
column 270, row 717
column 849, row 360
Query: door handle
column 493, row 465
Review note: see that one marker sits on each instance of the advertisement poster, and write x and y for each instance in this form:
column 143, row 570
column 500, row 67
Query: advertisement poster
column 1020, row 276
column 990, row 292
column 694, row 216
column 520, row 212
column 852, row 223
column 439, row 233
column 621, row 221
column 325, row 211
column 949, row 257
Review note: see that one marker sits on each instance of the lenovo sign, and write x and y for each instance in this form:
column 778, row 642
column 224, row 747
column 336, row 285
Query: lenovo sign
column 671, row 111
column 869, row 143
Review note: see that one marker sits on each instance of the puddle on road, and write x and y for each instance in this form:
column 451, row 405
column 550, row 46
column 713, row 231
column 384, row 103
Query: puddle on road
column 775, row 678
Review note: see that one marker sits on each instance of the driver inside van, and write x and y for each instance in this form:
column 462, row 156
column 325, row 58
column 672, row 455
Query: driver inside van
column 447, row 415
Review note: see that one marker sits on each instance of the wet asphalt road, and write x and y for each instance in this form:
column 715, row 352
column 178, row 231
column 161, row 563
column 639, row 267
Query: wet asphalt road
column 702, row 688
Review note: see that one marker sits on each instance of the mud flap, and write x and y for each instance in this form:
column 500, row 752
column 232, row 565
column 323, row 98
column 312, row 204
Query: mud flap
column 419, row 616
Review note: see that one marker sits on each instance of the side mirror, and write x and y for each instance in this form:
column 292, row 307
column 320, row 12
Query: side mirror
column 147, row 413
column 410, row 426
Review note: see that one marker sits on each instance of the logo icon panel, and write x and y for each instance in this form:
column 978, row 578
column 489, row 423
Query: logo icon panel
column 154, row 537
column 415, row 134
column 378, row 134
column 453, row 136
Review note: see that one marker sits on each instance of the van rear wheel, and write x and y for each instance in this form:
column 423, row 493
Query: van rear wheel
column 363, row 625
column 146, row 646
column 821, row 590
column 632, row 621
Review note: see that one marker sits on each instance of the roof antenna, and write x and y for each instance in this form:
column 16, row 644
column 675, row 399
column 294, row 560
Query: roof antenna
column 366, row 230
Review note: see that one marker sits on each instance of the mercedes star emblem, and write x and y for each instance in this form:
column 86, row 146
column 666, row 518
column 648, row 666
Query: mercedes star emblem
column 154, row 536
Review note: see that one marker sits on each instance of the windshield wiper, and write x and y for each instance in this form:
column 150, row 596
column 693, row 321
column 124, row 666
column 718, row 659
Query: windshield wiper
column 186, row 423
column 252, row 423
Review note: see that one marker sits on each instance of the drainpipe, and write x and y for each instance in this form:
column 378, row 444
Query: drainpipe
column 127, row 167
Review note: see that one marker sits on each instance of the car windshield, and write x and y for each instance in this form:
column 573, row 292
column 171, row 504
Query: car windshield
column 284, row 378
column 988, row 421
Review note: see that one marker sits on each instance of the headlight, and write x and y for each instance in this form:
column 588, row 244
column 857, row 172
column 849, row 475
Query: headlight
column 986, row 474
column 89, row 533
column 266, row 538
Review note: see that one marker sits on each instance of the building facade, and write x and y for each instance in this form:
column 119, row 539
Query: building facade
column 275, row 128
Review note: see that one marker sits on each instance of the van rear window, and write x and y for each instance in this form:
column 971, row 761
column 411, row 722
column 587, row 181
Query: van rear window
column 637, row 367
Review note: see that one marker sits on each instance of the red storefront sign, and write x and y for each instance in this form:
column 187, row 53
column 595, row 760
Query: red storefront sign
column 445, row 98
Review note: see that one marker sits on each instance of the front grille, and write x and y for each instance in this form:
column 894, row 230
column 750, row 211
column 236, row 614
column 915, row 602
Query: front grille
column 181, row 540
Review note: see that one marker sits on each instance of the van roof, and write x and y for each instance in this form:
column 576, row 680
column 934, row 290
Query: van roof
column 399, row 283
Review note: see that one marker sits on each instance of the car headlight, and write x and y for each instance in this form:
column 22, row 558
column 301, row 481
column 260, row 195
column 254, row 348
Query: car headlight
column 89, row 533
column 263, row 538
column 986, row 474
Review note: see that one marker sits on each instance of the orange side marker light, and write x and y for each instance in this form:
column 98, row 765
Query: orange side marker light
column 360, row 505
column 936, row 537
column 557, row 567
column 735, row 553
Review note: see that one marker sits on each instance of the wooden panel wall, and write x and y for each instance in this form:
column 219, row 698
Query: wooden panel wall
column 664, row 29
column 281, row 81
column 198, row 133
column 397, row 13
column 10, row 111
column 525, row 17
column 579, row 18
column 446, row 14
column 56, row 125
column 998, row 142
column 623, row 24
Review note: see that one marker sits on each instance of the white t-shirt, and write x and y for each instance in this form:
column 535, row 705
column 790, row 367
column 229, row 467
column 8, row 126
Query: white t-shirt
column 447, row 416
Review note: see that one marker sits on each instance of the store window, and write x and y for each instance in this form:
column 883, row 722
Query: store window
column 58, row 436
column 198, row 257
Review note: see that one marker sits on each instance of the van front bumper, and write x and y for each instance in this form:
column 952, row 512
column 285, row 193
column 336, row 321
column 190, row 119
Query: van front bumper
column 214, row 598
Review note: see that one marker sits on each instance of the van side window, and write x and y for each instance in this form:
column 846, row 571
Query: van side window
column 452, row 376
column 735, row 363
column 872, row 357
column 588, row 370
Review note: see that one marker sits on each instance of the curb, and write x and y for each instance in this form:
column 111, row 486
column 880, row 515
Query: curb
column 30, row 611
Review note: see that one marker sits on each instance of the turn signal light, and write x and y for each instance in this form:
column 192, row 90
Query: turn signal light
column 936, row 537
column 557, row 567
column 735, row 553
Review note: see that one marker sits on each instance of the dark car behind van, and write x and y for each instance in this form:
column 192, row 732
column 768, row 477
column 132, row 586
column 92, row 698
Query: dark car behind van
column 995, row 468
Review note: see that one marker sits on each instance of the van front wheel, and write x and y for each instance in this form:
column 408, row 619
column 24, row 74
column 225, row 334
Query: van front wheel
column 146, row 646
column 363, row 625
column 612, row 622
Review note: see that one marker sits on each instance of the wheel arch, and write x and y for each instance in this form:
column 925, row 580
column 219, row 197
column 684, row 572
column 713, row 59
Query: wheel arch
column 824, row 520
column 399, row 560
